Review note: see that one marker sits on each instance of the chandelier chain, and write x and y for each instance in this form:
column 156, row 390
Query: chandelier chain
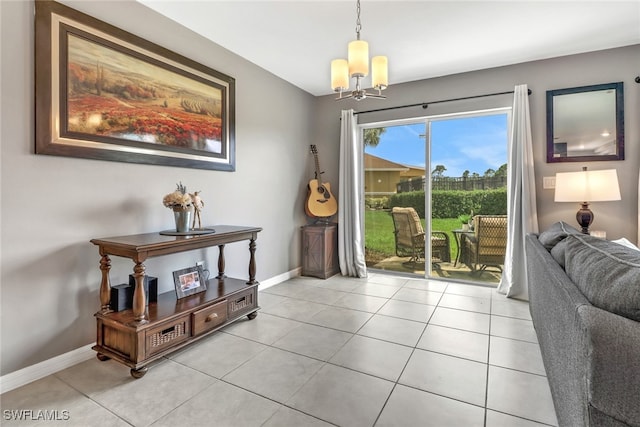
column 358, row 24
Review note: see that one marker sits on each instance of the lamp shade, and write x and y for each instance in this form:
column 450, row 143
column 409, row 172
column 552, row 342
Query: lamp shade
column 587, row 186
column 358, row 58
column 379, row 72
column 339, row 75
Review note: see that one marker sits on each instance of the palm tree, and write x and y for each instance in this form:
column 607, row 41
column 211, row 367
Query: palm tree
column 372, row 136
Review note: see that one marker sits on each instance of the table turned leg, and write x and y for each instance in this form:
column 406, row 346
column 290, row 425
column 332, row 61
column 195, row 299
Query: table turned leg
column 252, row 261
column 458, row 242
column 220, row 262
column 105, row 285
column 139, row 297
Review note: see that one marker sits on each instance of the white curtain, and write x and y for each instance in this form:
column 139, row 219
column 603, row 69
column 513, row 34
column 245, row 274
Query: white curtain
column 350, row 203
column 521, row 198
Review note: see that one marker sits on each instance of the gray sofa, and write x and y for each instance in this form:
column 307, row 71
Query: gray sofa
column 585, row 304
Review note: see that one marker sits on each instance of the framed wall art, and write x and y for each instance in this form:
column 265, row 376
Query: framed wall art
column 103, row 93
column 585, row 124
column 189, row 281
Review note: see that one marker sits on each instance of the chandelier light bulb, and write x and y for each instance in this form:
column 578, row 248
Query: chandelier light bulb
column 358, row 58
column 339, row 75
column 379, row 72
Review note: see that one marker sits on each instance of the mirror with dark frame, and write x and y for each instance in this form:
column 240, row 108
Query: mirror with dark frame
column 585, row 123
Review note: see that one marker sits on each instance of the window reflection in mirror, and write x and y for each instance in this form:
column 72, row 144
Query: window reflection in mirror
column 585, row 123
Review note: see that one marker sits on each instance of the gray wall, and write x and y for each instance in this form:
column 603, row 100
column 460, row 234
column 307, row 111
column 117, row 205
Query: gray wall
column 52, row 206
column 618, row 219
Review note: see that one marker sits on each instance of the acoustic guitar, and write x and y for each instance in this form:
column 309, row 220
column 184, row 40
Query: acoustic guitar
column 320, row 202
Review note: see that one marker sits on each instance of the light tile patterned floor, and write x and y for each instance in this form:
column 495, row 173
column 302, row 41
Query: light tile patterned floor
column 380, row 351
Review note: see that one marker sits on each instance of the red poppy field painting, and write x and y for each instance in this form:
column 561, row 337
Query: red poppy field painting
column 113, row 94
column 106, row 94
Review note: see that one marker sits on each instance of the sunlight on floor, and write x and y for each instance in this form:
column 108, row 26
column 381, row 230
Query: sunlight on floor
column 445, row 270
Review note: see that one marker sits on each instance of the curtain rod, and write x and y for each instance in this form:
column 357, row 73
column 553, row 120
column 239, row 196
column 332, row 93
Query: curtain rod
column 426, row 104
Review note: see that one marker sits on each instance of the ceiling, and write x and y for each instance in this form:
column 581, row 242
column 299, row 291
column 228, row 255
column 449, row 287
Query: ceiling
column 296, row 40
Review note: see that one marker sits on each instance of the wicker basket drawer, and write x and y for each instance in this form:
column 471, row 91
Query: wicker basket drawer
column 242, row 302
column 208, row 318
column 167, row 334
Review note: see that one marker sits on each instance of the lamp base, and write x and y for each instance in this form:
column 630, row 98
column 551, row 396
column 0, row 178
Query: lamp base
column 584, row 217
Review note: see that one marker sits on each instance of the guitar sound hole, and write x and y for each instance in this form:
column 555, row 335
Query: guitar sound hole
column 321, row 190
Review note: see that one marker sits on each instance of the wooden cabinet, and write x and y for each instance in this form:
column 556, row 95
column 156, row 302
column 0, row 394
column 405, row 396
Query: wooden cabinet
column 148, row 332
column 320, row 250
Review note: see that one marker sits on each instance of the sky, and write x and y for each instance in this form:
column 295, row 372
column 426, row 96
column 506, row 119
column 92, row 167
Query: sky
column 468, row 143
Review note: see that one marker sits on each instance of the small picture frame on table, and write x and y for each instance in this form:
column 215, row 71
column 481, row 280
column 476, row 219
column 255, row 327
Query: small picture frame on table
column 189, row 281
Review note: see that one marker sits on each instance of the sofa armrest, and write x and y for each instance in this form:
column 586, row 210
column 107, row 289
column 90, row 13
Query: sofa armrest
column 611, row 350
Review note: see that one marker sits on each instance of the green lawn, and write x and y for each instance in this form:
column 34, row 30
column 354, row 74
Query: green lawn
column 378, row 233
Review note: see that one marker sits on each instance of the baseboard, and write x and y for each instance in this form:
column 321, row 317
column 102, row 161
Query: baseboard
column 40, row 370
column 280, row 278
column 32, row 373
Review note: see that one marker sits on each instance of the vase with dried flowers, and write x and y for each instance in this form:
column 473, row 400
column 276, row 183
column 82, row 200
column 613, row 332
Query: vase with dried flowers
column 181, row 204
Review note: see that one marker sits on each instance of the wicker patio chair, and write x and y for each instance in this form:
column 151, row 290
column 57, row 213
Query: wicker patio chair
column 486, row 247
column 409, row 237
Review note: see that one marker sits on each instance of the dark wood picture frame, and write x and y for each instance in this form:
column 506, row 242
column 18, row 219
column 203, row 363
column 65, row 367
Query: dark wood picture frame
column 579, row 122
column 103, row 93
column 189, row 281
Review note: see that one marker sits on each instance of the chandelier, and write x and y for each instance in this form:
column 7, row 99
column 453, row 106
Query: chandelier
column 357, row 67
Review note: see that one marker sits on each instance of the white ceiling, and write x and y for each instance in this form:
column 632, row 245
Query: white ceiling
column 296, row 40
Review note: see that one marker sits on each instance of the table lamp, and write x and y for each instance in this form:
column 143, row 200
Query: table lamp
column 584, row 187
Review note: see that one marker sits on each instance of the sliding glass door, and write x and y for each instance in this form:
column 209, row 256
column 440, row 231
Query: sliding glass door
column 435, row 196
column 394, row 155
column 467, row 195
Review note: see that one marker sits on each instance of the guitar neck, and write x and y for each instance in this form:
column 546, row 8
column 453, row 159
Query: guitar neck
column 314, row 151
column 318, row 174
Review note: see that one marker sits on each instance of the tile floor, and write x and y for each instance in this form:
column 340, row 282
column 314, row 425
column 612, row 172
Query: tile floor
column 380, row 351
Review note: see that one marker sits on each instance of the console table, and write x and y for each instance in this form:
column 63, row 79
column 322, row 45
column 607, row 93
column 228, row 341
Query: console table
column 145, row 333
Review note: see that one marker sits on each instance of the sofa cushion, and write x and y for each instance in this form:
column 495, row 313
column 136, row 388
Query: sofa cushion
column 555, row 234
column 608, row 274
column 557, row 252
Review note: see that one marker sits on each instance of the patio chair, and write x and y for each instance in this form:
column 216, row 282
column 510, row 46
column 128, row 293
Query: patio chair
column 410, row 237
column 486, row 246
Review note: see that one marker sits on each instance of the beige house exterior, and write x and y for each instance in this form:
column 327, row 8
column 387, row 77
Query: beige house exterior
column 382, row 175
